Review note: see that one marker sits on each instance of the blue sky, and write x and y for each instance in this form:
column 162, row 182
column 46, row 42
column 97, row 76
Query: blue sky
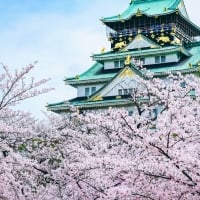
column 61, row 35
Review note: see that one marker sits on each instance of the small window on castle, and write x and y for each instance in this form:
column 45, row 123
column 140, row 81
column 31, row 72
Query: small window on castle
column 160, row 59
column 119, row 64
column 120, row 92
column 87, row 92
column 93, row 90
column 125, row 92
column 157, row 59
column 116, row 64
column 130, row 91
column 163, row 59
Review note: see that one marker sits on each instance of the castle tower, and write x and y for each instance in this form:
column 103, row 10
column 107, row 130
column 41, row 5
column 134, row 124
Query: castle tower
column 153, row 34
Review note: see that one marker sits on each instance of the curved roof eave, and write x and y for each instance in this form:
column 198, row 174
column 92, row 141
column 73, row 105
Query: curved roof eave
column 188, row 20
column 161, row 14
column 149, row 8
column 146, row 7
column 104, row 20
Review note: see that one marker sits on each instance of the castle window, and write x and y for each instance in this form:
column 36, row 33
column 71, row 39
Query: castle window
column 125, row 92
column 87, row 92
column 130, row 91
column 157, row 59
column 163, row 59
column 116, row 64
column 93, row 90
column 160, row 59
column 120, row 92
column 119, row 64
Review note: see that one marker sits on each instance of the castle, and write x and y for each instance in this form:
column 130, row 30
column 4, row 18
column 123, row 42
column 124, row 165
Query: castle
column 153, row 34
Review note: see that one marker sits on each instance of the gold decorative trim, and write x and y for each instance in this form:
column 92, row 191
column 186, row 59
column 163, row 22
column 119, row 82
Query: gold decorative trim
column 139, row 13
column 163, row 39
column 128, row 60
column 127, row 73
column 120, row 45
column 97, row 98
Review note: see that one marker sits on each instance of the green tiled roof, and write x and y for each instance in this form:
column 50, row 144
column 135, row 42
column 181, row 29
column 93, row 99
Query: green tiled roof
column 97, row 74
column 84, row 104
column 145, row 52
column 186, row 66
column 92, row 75
column 149, row 8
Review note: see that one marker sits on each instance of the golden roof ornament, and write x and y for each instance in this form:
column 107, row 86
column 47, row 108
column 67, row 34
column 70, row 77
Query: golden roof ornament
column 120, row 45
column 164, row 39
column 128, row 60
column 139, row 13
column 103, row 50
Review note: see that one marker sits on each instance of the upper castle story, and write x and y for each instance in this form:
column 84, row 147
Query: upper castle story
column 165, row 22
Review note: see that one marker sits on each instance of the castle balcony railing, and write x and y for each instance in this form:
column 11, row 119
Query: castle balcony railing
column 139, row 29
column 183, row 34
column 153, row 29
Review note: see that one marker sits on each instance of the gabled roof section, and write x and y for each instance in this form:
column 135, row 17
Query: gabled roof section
column 113, row 101
column 125, row 74
column 149, row 8
column 141, row 42
column 95, row 74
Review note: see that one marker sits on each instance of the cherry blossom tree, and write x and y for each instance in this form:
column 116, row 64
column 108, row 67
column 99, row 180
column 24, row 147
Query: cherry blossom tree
column 111, row 155
column 153, row 154
column 16, row 127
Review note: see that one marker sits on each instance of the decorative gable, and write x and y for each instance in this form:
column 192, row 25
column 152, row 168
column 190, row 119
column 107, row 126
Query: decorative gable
column 122, row 84
column 141, row 42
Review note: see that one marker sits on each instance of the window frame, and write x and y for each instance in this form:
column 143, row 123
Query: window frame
column 118, row 63
column 93, row 89
column 157, row 59
column 130, row 91
column 163, row 59
column 120, row 92
column 125, row 91
column 87, row 91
